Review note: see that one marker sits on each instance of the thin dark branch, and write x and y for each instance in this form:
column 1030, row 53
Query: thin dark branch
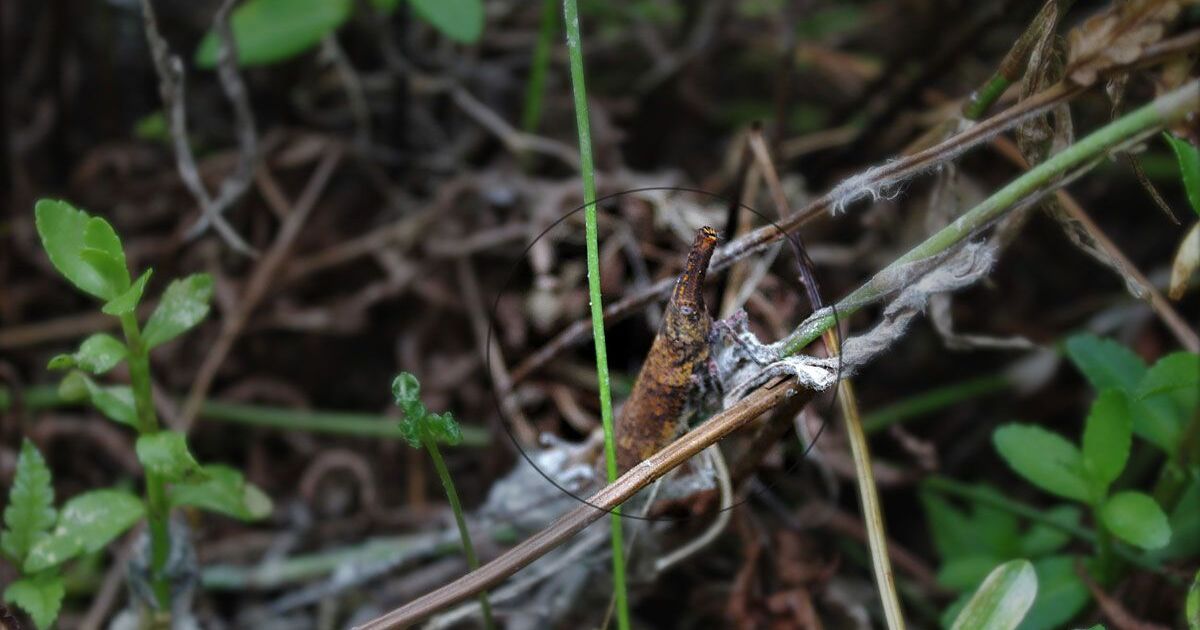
column 171, row 86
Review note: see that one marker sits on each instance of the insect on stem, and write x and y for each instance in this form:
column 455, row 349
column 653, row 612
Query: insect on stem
column 651, row 417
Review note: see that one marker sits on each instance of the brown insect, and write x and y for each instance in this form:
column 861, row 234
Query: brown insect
column 651, row 417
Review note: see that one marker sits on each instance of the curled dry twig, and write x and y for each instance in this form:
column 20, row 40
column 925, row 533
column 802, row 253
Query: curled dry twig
column 171, row 88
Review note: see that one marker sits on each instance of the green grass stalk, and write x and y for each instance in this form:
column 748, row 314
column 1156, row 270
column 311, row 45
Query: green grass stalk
column 452, row 496
column 587, row 172
column 933, row 400
column 348, row 423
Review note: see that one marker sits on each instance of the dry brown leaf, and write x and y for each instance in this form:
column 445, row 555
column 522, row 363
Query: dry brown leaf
column 1116, row 36
column 1187, row 261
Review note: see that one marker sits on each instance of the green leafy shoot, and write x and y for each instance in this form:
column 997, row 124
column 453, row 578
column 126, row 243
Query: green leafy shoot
column 973, row 541
column 1002, row 600
column 422, row 428
column 30, row 512
column 419, row 425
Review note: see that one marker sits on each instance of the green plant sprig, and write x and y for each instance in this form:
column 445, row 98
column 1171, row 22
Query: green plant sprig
column 88, row 253
column 423, row 429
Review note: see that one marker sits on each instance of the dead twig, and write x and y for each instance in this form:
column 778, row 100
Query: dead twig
column 171, row 88
column 264, row 273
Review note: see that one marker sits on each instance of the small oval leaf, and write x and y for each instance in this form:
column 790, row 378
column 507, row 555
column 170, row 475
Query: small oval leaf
column 460, row 20
column 64, row 231
column 269, row 31
column 1137, row 519
column 1106, row 438
column 1045, row 459
column 184, row 304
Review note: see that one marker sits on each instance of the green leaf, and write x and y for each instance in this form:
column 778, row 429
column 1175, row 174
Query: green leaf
column 40, row 595
column 166, row 454
column 1192, row 607
column 127, row 301
column 444, row 428
column 950, row 528
column 1106, row 439
column 84, row 249
column 114, row 401
column 1185, row 527
column 1106, row 363
column 1042, row 539
column 225, row 492
column 1061, row 594
column 102, row 249
column 1002, row 600
column 460, row 20
column 269, row 31
column 1136, row 518
column 1176, row 371
column 1189, row 168
column 97, row 354
column 1166, row 398
column 30, row 510
column 387, row 7
column 964, row 573
column 87, row 523
column 1045, row 459
column 982, row 530
column 184, row 304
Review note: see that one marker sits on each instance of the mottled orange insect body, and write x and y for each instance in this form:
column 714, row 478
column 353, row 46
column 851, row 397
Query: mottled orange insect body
column 651, row 418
